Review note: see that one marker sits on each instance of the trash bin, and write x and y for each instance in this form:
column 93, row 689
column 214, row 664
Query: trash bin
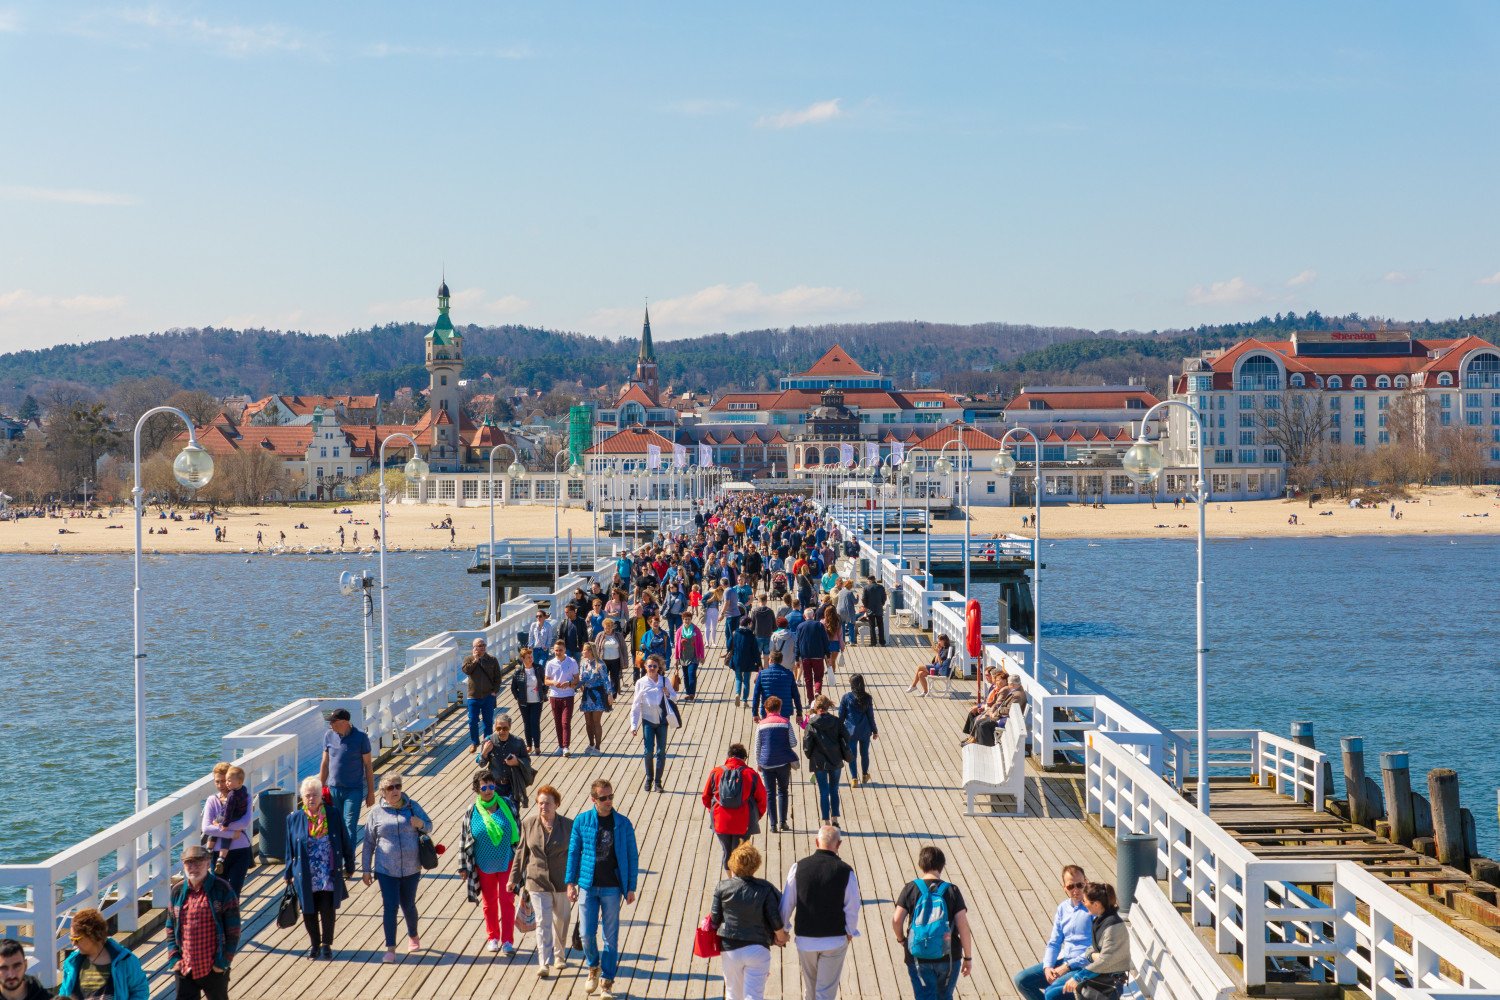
column 273, row 807
column 1135, row 856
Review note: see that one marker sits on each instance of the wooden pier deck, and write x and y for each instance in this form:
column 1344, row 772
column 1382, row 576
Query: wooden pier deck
column 1008, row 868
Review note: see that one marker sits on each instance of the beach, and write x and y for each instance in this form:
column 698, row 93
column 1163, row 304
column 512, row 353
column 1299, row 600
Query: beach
column 1442, row 510
column 1436, row 511
column 408, row 527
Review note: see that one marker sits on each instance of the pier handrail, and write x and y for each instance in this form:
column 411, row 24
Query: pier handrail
column 1169, row 961
column 1276, row 762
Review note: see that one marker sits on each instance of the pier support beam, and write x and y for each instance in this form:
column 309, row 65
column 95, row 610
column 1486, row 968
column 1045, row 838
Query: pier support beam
column 1395, row 775
column 1354, row 781
column 1447, row 824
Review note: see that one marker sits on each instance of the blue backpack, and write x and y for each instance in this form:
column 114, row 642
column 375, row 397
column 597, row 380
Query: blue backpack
column 931, row 928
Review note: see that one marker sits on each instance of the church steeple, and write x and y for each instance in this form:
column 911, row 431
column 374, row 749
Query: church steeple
column 648, row 353
column 443, row 296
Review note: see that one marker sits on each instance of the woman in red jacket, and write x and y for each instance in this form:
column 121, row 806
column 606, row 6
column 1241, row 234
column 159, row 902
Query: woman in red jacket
column 735, row 797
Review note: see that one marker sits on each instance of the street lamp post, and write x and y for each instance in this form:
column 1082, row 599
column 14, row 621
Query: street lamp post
column 896, row 475
column 1005, row 465
column 557, row 491
column 926, row 515
column 943, row 468
column 193, row 468
column 516, row 471
column 1143, row 463
column 415, row 469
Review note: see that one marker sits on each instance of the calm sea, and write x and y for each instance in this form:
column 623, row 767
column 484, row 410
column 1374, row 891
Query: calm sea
column 1394, row 640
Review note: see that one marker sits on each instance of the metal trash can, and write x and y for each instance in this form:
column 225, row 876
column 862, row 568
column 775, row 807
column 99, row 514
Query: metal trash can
column 273, row 807
column 1135, row 857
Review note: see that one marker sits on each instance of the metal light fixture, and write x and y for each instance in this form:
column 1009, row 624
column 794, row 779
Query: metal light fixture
column 415, row 468
column 1142, row 462
column 1004, row 464
column 193, row 466
column 516, row 470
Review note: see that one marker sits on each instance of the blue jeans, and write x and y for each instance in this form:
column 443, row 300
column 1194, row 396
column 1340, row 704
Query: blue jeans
column 777, row 779
column 689, row 676
column 481, row 718
column 731, row 624
column 674, row 622
column 605, row 903
column 398, row 890
column 828, row 793
column 850, row 633
column 348, row 802
column 654, row 736
column 540, row 655
column 859, row 749
column 1032, row 982
column 934, row 980
column 742, row 684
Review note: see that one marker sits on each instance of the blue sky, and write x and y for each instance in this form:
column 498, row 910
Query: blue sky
column 315, row 166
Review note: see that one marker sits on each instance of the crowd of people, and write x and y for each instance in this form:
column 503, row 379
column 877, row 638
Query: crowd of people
column 759, row 586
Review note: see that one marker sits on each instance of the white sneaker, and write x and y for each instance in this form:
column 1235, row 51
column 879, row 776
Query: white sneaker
column 492, row 945
column 911, row 689
column 567, row 752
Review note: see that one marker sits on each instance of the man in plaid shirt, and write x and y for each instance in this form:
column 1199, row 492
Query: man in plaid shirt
column 203, row 930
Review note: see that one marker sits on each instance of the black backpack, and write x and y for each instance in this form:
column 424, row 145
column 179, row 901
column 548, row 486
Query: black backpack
column 732, row 787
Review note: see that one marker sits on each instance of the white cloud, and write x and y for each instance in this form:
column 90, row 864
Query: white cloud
column 225, row 37
column 10, row 20
column 722, row 307
column 469, row 305
column 31, row 319
column 813, row 114
column 387, row 50
column 701, row 107
column 23, row 302
column 1302, row 278
column 1397, row 278
column 65, row 196
column 1235, row 290
column 1493, row 279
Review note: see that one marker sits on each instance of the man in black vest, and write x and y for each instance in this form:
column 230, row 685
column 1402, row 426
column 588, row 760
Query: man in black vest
column 820, row 902
column 873, row 599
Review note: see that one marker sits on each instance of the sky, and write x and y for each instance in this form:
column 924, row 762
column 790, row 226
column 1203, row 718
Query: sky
column 1129, row 166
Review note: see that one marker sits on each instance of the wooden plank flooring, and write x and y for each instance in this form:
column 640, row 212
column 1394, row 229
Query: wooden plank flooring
column 1008, row 868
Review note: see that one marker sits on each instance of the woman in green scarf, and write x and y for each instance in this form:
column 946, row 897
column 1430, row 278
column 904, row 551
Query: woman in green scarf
column 487, row 843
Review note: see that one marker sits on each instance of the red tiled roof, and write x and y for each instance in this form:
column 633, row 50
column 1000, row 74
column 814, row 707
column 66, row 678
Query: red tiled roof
column 762, row 400
column 836, row 362
column 635, row 394
column 777, row 439
column 974, row 439
column 1082, row 399
column 631, row 441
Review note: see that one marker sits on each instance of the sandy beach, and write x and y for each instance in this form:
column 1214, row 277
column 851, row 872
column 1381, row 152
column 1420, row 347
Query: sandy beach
column 1438, row 511
column 1435, row 511
column 407, row 527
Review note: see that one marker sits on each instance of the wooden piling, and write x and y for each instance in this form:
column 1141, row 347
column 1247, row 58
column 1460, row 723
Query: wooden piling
column 1485, row 870
column 1447, row 824
column 1302, row 732
column 1354, row 781
column 1395, row 775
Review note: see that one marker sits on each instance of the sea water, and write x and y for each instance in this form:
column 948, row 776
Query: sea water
column 1396, row 640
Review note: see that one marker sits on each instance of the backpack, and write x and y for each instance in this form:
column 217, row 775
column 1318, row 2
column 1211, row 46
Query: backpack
column 732, row 788
column 931, row 927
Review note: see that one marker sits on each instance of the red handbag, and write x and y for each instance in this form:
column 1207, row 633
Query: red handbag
column 706, row 939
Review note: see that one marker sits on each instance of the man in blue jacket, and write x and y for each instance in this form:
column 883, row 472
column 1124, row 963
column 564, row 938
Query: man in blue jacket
column 603, row 864
column 812, row 650
column 776, row 679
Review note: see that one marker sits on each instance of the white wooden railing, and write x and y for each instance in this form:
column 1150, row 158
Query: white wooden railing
column 1170, row 963
column 1277, row 762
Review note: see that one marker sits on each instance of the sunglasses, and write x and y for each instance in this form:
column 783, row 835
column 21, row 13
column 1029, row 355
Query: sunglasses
column 1076, row 885
column 604, row 798
column 490, row 786
column 391, row 788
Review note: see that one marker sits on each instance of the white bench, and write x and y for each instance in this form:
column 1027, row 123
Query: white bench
column 1170, row 961
column 413, row 727
column 1000, row 769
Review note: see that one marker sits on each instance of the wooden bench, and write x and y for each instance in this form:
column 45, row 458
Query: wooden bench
column 414, row 728
column 999, row 770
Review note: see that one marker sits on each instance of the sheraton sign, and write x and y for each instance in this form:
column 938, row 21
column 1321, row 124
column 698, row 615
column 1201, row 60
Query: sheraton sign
column 1352, row 336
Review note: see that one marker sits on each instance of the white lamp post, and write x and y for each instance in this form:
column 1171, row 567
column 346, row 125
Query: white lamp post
column 557, row 491
column 415, row 469
column 1005, row 465
column 193, row 468
column 926, row 516
column 516, row 471
column 896, row 471
column 943, row 468
column 1143, row 463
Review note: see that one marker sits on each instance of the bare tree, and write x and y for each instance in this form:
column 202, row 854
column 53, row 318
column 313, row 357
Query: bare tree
column 1460, row 452
column 251, row 476
column 1344, row 468
column 130, row 397
column 201, row 407
column 1298, row 424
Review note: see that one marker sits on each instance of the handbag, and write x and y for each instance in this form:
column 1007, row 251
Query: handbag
column 1102, row 987
column 525, row 914
column 289, row 911
column 706, row 939
column 427, row 852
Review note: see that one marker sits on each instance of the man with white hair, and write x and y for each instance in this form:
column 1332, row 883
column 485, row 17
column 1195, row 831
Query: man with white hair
column 820, row 902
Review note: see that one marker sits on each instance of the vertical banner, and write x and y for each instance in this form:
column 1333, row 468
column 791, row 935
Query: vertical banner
column 679, row 456
column 846, row 453
column 653, row 456
column 705, row 456
column 898, row 452
column 872, row 453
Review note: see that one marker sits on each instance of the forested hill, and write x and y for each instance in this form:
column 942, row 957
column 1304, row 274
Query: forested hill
column 385, row 358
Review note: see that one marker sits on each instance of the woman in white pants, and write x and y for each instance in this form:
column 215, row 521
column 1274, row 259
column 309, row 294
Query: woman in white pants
column 540, row 868
column 746, row 911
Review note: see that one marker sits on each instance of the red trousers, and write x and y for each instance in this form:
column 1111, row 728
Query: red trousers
column 562, row 718
column 499, row 907
column 812, row 676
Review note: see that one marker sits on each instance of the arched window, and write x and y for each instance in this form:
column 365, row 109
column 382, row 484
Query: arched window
column 1334, row 382
column 1358, row 382
column 1383, row 382
column 632, row 413
column 1445, row 378
column 1298, row 381
column 1483, row 371
column 1401, row 382
column 1258, row 372
column 1319, row 380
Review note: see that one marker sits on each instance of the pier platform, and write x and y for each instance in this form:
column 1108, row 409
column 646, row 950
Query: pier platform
column 1008, row 869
